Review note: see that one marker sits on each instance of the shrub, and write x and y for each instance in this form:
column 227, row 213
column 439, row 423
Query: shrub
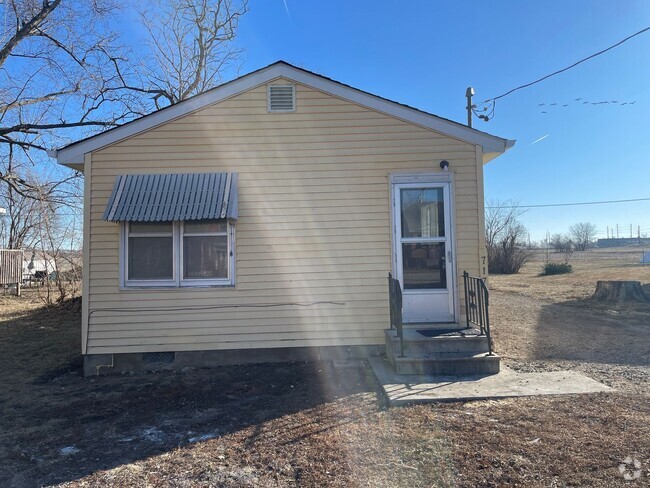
column 507, row 259
column 504, row 234
column 556, row 268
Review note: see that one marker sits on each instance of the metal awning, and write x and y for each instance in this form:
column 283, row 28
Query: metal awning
column 168, row 197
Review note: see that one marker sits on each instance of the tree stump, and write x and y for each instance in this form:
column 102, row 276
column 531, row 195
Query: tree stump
column 620, row 291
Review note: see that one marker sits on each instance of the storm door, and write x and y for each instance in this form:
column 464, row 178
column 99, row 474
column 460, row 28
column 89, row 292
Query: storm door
column 423, row 251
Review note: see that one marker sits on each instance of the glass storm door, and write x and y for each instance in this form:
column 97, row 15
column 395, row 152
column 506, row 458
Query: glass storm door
column 423, row 251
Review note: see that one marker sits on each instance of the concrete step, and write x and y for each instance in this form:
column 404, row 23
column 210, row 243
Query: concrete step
column 433, row 326
column 417, row 345
column 452, row 364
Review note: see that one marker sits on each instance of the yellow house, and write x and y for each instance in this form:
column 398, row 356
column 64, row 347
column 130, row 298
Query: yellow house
column 258, row 221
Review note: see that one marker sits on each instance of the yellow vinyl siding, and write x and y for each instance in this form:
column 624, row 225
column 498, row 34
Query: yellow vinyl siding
column 314, row 224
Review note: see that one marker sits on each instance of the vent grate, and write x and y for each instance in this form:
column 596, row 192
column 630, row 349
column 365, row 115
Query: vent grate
column 282, row 98
column 158, row 357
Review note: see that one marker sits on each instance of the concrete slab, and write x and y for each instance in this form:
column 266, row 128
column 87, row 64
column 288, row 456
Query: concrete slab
column 411, row 389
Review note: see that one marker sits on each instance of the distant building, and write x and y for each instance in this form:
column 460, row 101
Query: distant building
column 38, row 262
column 623, row 241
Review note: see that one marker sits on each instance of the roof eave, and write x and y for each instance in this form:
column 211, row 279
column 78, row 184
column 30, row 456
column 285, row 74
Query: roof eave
column 489, row 153
column 77, row 166
column 73, row 154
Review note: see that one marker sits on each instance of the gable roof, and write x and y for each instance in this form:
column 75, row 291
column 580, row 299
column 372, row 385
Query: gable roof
column 72, row 155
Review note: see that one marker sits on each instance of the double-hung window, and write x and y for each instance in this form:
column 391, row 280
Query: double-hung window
column 204, row 250
column 177, row 254
column 150, row 253
column 176, row 230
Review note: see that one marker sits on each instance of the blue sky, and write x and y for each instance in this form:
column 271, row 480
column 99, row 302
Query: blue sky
column 425, row 53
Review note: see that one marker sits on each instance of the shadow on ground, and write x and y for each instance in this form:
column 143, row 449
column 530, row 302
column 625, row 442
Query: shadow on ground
column 579, row 331
column 592, row 331
column 58, row 426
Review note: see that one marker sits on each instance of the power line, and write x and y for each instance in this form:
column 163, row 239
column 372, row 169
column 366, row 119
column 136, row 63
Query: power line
column 568, row 67
column 572, row 203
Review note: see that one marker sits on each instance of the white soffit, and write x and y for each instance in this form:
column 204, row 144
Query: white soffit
column 73, row 155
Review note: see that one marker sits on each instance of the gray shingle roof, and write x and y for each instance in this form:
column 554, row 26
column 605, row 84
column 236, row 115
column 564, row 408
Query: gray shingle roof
column 167, row 197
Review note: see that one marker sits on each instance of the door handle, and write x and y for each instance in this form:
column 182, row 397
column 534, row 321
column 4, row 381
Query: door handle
column 449, row 256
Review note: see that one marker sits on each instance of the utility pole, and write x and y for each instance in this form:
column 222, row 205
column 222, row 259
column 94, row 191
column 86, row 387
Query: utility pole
column 617, row 231
column 631, row 231
column 469, row 93
column 608, row 231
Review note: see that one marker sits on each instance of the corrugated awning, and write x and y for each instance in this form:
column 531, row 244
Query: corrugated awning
column 163, row 198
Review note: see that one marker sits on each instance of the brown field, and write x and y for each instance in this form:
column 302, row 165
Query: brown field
column 543, row 323
column 323, row 424
column 575, row 288
column 551, row 322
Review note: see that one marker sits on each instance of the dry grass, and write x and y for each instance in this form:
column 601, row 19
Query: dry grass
column 549, row 441
column 551, row 323
column 578, row 286
column 320, row 424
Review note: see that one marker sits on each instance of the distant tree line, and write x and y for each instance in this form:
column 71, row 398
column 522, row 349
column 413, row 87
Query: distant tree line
column 580, row 237
column 506, row 238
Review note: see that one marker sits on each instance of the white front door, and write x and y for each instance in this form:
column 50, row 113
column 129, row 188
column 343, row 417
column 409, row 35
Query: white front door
column 423, row 251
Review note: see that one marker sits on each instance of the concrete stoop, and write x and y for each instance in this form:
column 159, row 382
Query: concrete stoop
column 402, row 390
column 454, row 353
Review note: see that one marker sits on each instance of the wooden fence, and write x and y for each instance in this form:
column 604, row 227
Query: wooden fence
column 11, row 268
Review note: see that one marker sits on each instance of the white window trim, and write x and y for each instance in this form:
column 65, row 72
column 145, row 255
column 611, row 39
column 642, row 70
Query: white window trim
column 124, row 262
column 194, row 282
column 268, row 97
column 177, row 251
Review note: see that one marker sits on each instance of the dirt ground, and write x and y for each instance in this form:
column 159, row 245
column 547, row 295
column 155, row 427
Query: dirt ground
column 577, row 287
column 302, row 424
column 544, row 323
column 324, row 424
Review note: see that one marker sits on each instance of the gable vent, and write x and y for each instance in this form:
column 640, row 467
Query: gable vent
column 282, row 98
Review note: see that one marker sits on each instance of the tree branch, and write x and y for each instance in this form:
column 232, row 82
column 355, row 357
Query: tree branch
column 27, row 29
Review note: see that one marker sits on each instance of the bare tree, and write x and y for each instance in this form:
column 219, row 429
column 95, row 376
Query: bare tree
column 22, row 218
column 504, row 237
column 25, row 211
column 583, row 234
column 56, row 78
column 192, row 44
column 562, row 243
column 62, row 276
column 64, row 75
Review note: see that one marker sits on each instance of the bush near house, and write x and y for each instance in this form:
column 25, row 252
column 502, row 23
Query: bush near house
column 507, row 258
column 504, row 237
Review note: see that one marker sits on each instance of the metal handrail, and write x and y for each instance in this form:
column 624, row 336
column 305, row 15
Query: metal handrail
column 395, row 298
column 477, row 302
